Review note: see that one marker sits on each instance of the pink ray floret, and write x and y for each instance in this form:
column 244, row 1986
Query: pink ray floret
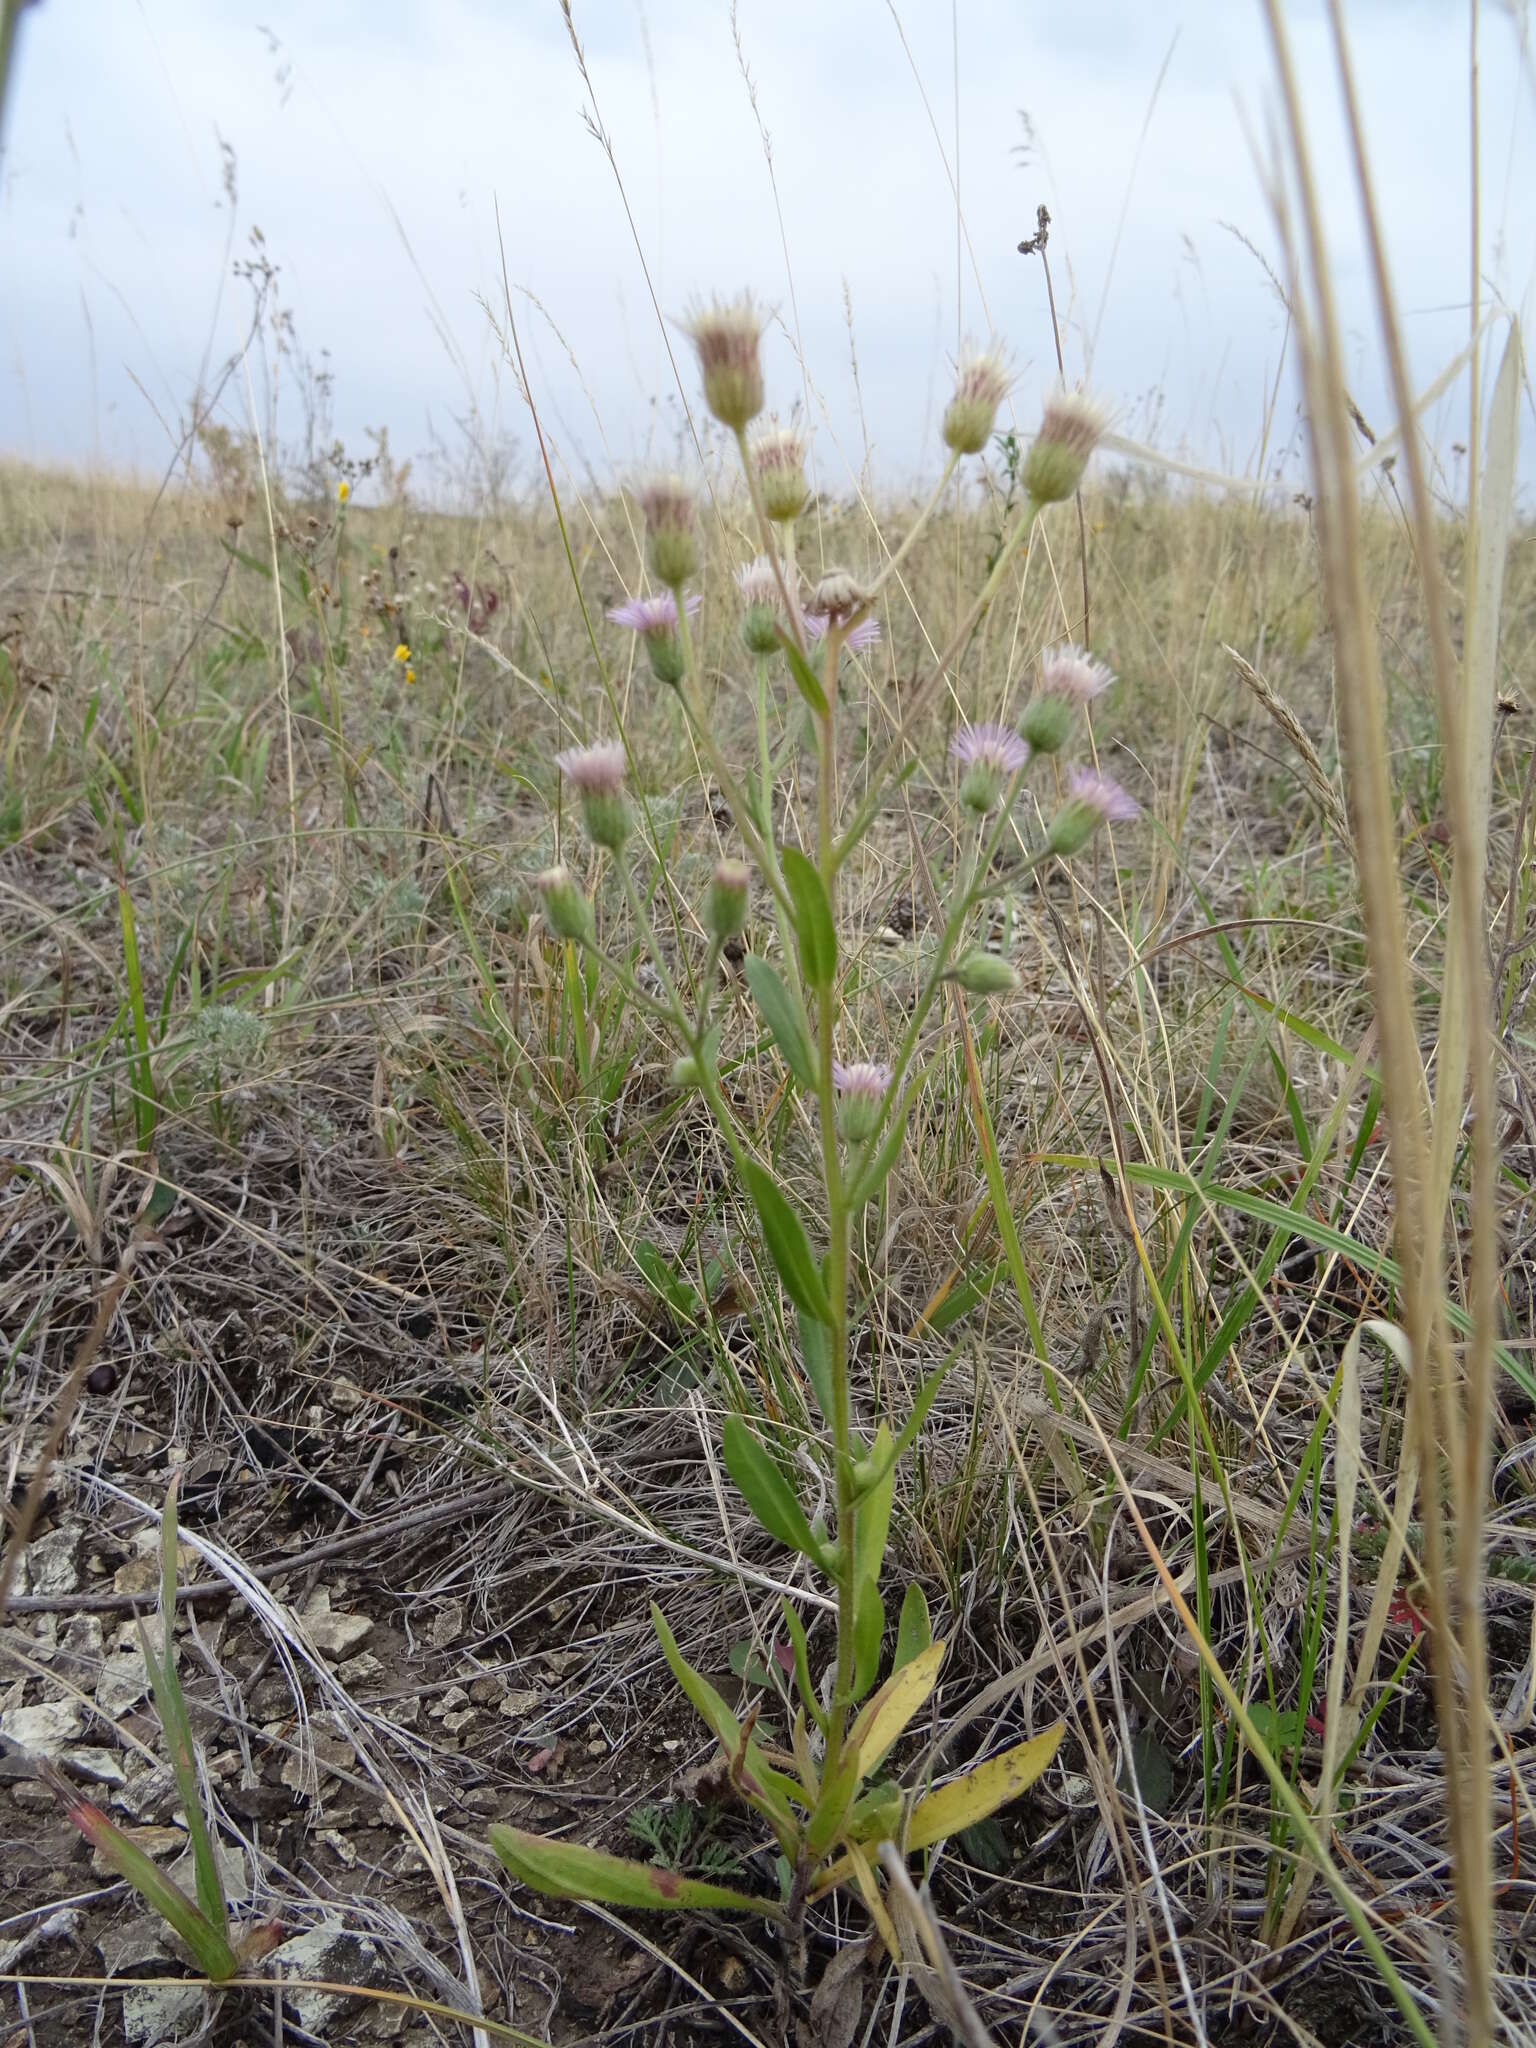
column 1103, row 794
column 1072, row 672
column 595, row 771
column 865, row 634
column 863, row 1077
column 654, row 614
column 989, row 746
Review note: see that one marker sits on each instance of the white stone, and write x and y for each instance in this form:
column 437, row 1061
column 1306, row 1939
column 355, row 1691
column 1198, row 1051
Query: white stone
column 44, row 1730
column 51, row 1562
column 329, row 1950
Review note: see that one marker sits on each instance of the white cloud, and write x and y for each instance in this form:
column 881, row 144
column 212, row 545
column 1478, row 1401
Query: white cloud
column 112, row 226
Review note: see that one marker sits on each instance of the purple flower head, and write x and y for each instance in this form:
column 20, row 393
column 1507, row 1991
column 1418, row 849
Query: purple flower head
column 864, row 1077
column 727, row 335
column 861, row 1091
column 996, row 748
column 865, row 634
column 654, row 614
column 1072, row 672
column 1102, row 795
column 595, row 771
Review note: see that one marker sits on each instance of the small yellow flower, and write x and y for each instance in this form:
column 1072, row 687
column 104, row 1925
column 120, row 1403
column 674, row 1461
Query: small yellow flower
column 402, row 652
column 410, row 675
column 365, row 631
column 343, row 492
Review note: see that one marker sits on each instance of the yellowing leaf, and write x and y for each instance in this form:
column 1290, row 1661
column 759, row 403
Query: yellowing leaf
column 964, row 1801
column 887, row 1714
column 567, row 1870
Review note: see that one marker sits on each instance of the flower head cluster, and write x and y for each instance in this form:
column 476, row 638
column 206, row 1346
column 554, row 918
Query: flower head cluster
column 727, row 336
column 666, row 503
column 597, row 775
column 980, row 388
column 1070, row 430
column 987, row 756
column 861, row 1091
column 654, row 618
column 1093, row 799
column 759, row 588
column 1069, row 679
column 778, row 460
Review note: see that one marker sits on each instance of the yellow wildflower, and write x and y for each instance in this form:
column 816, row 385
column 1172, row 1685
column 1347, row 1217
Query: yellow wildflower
column 343, row 492
column 402, row 652
column 410, row 675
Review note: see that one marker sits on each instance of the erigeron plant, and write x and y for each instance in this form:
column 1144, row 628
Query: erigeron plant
column 826, row 1801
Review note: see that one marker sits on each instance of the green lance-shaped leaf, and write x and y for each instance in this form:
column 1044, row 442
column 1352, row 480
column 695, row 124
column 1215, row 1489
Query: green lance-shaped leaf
column 816, row 1356
column 872, row 1513
column 788, row 1245
column 171, row 1706
column 785, row 1019
column 838, row 1789
column 807, row 682
column 873, row 1177
column 162, row 1894
column 813, row 918
column 765, row 1489
column 796, row 1629
column 566, row 1870
column 868, row 1634
column 914, row 1631
column 766, row 1788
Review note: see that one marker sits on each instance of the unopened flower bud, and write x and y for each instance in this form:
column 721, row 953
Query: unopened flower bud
column 566, row 911
column 671, row 545
column 981, row 973
column 980, row 389
column 727, row 338
column 778, row 458
column 725, row 908
column 685, row 1072
column 759, row 588
column 1069, row 432
column 1047, row 723
column 1092, row 800
column 655, row 620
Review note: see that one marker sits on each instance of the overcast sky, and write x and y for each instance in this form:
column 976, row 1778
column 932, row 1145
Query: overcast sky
column 373, row 145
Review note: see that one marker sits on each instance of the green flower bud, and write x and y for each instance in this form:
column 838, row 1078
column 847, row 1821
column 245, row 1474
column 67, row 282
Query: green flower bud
column 1069, row 433
column 664, row 651
column 1092, row 800
column 606, row 817
column 727, row 339
column 685, row 1072
column 778, row 457
column 979, row 390
column 760, row 629
column 725, row 908
column 566, row 911
column 983, row 974
column 1047, row 722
